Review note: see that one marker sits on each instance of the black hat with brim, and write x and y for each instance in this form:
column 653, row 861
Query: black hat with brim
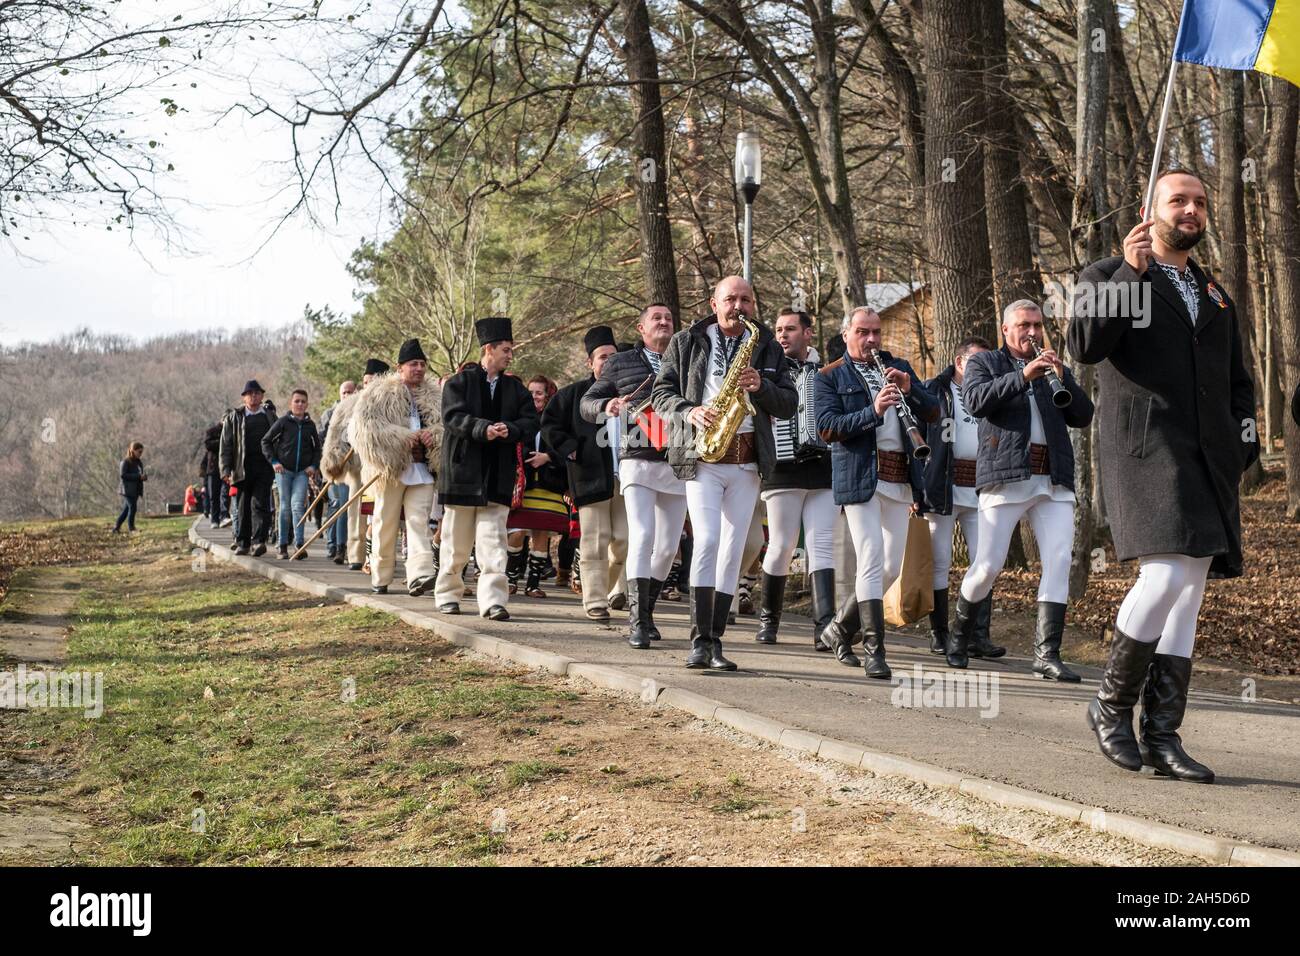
column 493, row 329
column 252, row 386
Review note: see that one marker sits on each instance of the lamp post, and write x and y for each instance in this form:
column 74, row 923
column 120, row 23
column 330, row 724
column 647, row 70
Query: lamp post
column 749, row 175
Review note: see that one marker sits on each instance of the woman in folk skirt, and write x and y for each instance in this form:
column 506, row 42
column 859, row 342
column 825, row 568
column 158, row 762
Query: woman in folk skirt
column 543, row 512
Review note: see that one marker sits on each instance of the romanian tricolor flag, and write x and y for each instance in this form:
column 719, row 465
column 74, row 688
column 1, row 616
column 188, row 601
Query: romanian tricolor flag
column 1261, row 35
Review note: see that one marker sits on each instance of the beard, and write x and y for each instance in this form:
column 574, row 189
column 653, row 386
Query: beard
column 1175, row 238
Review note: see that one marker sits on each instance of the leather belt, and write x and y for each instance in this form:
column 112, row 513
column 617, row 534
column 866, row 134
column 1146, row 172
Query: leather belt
column 891, row 466
column 1039, row 460
column 963, row 472
column 740, row 451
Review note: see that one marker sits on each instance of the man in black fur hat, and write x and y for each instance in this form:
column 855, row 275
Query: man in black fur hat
column 486, row 415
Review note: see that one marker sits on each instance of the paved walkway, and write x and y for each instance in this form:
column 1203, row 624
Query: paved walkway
column 1036, row 739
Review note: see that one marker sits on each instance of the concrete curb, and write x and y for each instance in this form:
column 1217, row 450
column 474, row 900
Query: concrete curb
column 1217, row 850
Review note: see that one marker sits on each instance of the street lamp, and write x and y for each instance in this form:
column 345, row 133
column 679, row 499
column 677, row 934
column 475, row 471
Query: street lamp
column 749, row 176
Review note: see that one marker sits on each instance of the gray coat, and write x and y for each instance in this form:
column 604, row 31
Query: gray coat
column 1175, row 402
column 680, row 387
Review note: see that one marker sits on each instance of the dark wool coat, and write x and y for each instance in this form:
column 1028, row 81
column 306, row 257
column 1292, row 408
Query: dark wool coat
column 680, row 387
column 476, row 471
column 1177, row 411
column 591, row 470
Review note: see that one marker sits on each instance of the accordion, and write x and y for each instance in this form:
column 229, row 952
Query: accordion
column 797, row 438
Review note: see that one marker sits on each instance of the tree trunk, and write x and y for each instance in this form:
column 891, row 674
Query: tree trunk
column 955, row 223
column 1231, row 214
column 1092, row 84
column 1015, row 276
column 651, row 174
column 1284, row 250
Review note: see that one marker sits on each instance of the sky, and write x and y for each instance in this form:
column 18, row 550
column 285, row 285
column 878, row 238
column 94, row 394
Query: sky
column 230, row 181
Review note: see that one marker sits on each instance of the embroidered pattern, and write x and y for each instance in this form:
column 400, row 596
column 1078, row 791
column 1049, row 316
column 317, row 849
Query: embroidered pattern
column 1185, row 283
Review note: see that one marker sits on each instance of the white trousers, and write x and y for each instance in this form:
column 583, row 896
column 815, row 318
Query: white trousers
column 788, row 509
column 392, row 499
column 654, row 530
column 1164, row 602
column 483, row 529
column 879, row 531
column 721, row 502
column 846, row 562
column 755, row 540
column 941, row 528
column 1053, row 525
column 602, row 549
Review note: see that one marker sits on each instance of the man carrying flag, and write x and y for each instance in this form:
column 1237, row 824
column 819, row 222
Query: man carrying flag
column 1177, row 434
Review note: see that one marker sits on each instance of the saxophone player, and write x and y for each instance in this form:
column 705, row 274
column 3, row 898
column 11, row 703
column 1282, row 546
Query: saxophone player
column 875, row 474
column 717, row 364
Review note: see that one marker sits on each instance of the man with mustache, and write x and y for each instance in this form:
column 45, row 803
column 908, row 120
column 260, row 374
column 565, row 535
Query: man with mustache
column 720, row 495
column 1177, row 434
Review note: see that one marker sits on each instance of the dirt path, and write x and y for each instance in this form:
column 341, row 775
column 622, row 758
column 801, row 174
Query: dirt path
column 34, row 634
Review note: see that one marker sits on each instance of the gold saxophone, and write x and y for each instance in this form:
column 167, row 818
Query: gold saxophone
column 731, row 403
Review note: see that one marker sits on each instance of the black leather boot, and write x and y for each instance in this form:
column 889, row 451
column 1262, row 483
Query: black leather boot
column 872, row 614
column 980, row 645
column 638, row 612
column 701, row 627
column 1164, row 701
column 839, row 632
column 1110, row 715
column 771, row 601
column 721, row 609
column 1047, row 644
column 939, row 622
column 823, row 606
column 656, row 587
column 963, row 631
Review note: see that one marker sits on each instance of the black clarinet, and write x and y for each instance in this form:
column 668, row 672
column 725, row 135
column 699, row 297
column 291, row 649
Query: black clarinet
column 1060, row 394
column 920, row 450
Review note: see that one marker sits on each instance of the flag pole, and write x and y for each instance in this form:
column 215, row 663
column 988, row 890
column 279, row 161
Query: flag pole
column 1164, row 118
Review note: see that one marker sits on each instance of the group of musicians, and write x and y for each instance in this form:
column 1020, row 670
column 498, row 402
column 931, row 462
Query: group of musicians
column 859, row 444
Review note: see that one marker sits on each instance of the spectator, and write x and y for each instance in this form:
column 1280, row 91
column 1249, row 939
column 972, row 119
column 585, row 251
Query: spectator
column 292, row 446
column 544, row 511
column 130, row 486
column 244, row 467
column 336, row 538
column 218, row 497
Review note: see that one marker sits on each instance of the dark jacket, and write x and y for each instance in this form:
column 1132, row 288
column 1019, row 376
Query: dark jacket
column 938, row 470
column 131, row 478
column 995, row 392
column 623, row 374
column 235, row 458
column 476, row 471
column 680, row 387
column 212, row 451
column 591, row 467
column 292, row 443
column 812, row 472
column 847, row 420
column 1174, row 438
